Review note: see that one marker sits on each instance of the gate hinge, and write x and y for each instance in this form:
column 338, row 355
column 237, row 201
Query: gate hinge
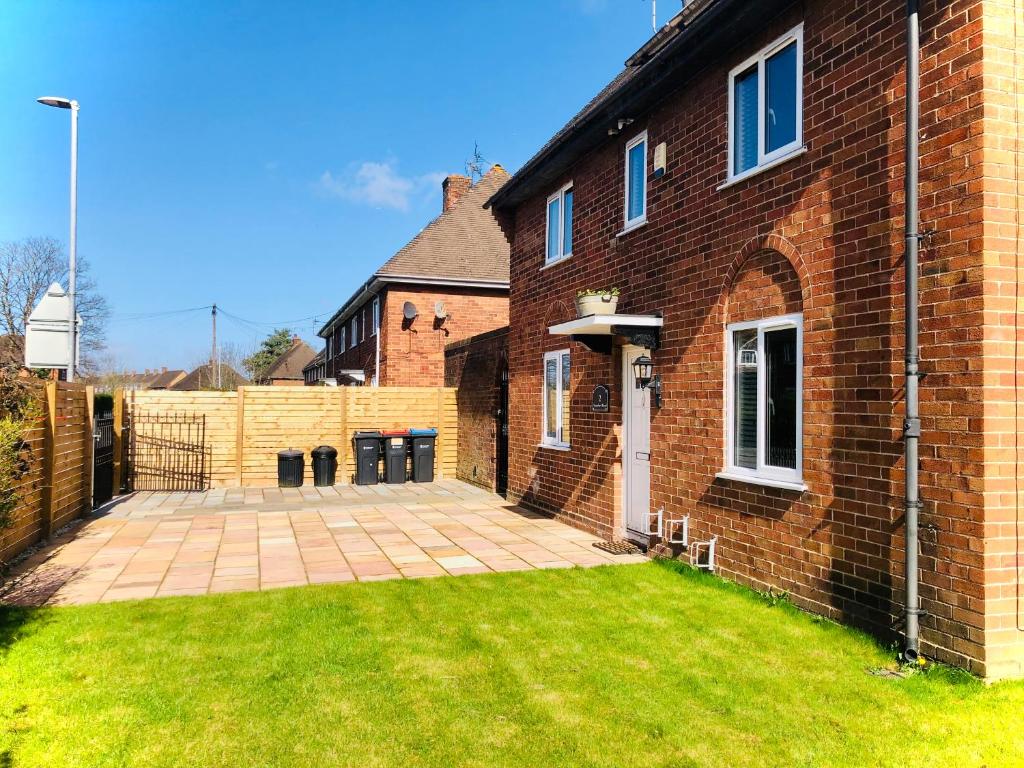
column 912, row 427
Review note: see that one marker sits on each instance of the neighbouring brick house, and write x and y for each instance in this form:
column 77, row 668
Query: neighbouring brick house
column 315, row 371
column 741, row 181
column 448, row 283
column 289, row 370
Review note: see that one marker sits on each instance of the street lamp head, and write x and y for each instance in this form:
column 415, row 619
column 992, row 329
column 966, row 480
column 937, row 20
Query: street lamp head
column 57, row 101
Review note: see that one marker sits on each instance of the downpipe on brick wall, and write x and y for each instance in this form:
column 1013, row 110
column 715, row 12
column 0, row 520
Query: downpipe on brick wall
column 912, row 421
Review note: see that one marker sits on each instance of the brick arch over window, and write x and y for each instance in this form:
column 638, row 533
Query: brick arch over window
column 767, row 278
column 557, row 312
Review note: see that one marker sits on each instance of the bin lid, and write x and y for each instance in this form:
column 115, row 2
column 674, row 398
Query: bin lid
column 396, row 432
column 291, row 453
column 367, row 433
column 326, row 451
column 424, row 432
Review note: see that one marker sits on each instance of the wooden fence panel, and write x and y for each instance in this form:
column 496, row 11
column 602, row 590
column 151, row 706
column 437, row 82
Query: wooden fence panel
column 57, row 484
column 275, row 418
column 246, row 429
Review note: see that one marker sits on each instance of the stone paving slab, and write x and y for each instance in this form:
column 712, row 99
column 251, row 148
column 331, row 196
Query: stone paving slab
column 155, row 544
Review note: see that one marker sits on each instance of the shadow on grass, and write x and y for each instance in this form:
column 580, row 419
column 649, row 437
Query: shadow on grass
column 16, row 624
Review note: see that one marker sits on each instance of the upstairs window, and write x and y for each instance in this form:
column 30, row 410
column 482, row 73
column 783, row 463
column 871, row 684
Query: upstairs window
column 341, row 340
column 376, row 314
column 559, row 242
column 353, row 333
column 556, row 399
column 765, row 105
column 764, row 412
column 636, row 181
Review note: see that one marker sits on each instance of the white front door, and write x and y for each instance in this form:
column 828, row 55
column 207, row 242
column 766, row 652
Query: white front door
column 636, row 456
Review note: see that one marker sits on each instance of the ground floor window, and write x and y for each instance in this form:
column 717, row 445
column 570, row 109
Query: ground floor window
column 764, row 410
column 556, row 399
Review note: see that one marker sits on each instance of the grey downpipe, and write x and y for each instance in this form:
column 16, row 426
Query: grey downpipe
column 912, row 422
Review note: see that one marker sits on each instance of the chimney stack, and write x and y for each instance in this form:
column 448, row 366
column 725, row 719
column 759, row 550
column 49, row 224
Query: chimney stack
column 452, row 188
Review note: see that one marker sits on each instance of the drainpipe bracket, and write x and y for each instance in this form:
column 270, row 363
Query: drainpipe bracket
column 912, row 427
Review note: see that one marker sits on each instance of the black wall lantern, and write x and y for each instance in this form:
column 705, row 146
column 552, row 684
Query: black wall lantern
column 643, row 374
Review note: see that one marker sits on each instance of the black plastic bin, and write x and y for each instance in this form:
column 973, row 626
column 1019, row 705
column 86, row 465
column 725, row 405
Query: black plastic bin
column 367, row 449
column 291, row 466
column 423, row 454
column 325, row 465
column 396, row 456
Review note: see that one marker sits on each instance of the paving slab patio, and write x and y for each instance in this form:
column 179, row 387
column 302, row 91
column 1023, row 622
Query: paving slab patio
column 154, row 544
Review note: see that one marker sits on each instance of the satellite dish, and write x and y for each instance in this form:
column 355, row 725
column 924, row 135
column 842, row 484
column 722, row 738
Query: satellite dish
column 409, row 310
column 439, row 312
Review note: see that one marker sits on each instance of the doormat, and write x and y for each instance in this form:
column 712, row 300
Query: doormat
column 622, row 547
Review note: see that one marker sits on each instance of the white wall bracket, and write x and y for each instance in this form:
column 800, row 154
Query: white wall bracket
column 699, row 547
column 656, row 523
column 679, row 530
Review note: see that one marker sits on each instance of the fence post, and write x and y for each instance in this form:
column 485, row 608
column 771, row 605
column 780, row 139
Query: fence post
column 440, row 432
column 343, row 448
column 50, row 461
column 118, row 427
column 240, row 433
column 90, row 447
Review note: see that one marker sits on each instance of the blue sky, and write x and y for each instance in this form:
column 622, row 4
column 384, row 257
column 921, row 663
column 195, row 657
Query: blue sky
column 269, row 156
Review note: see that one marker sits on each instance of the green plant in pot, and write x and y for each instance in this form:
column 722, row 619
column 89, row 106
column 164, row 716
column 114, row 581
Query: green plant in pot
column 596, row 301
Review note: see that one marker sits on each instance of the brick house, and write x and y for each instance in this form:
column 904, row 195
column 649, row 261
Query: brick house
column 741, row 181
column 315, row 371
column 448, row 283
column 289, row 370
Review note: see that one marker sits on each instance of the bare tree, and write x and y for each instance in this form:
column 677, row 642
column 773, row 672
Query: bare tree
column 27, row 268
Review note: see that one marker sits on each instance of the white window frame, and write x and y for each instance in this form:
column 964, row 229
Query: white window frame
column 767, row 160
column 342, row 338
column 764, row 474
column 353, row 341
column 545, row 439
column 560, row 196
column 642, row 218
column 376, row 314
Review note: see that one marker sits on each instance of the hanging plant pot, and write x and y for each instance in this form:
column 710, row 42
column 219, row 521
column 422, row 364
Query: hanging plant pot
column 602, row 302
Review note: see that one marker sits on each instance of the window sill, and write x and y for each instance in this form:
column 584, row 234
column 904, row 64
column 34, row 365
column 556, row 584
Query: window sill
column 771, row 482
column 750, row 172
column 555, row 263
column 552, row 447
column 633, row 226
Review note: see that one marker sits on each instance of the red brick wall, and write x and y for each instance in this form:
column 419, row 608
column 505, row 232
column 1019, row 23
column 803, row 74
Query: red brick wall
column 412, row 354
column 362, row 356
column 823, row 232
column 474, row 366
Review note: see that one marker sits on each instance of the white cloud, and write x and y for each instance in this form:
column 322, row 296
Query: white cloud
column 380, row 185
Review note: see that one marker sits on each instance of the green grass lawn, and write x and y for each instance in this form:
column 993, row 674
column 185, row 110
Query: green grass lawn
column 649, row 665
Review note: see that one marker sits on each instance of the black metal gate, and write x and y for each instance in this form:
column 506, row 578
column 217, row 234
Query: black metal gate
column 167, row 452
column 103, row 460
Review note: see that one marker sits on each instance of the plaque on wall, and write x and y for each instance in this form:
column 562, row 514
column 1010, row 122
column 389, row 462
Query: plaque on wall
column 599, row 400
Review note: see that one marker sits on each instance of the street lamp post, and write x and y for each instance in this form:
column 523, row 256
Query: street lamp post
column 62, row 103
